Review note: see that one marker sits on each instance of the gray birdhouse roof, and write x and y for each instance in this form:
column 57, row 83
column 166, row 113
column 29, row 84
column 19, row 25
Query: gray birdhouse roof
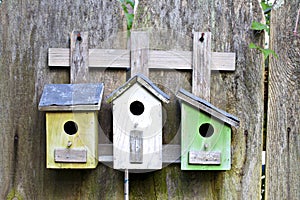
column 144, row 82
column 71, row 97
column 207, row 107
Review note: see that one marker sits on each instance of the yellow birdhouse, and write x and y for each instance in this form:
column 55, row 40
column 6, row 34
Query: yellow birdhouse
column 71, row 124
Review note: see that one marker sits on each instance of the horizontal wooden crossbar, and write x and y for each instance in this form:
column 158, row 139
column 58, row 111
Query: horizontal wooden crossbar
column 170, row 154
column 119, row 58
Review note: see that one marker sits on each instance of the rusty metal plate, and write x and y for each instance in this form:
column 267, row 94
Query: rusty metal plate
column 136, row 146
column 204, row 158
column 70, row 155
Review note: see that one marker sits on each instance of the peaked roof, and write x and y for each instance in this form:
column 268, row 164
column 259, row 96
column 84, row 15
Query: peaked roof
column 207, row 107
column 144, row 82
column 71, row 97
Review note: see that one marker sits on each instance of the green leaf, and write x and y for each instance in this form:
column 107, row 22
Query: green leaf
column 268, row 52
column 129, row 18
column 259, row 26
column 124, row 8
column 265, row 6
column 130, row 2
column 252, row 46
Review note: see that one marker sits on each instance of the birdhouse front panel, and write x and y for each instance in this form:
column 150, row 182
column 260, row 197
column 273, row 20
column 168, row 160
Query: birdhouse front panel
column 72, row 139
column 137, row 130
column 205, row 143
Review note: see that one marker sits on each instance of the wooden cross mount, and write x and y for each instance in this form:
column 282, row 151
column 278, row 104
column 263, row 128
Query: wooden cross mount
column 201, row 60
column 140, row 59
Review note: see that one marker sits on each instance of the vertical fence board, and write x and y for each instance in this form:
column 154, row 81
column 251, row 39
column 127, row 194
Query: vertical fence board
column 139, row 53
column 239, row 92
column 201, row 65
column 27, row 31
column 283, row 127
column 79, row 60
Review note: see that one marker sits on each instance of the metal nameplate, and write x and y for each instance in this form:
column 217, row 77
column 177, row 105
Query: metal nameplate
column 70, row 155
column 204, row 158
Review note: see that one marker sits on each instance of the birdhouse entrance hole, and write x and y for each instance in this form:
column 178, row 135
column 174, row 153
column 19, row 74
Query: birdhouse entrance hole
column 137, row 108
column 206, row 130
column 70, row 128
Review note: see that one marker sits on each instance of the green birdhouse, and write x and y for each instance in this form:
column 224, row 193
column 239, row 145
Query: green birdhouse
column 205, row 134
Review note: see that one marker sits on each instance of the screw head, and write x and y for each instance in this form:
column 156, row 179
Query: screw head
column 205, row 146
column 69, row 144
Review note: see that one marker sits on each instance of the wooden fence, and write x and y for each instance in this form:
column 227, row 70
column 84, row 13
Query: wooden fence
column 31, row 30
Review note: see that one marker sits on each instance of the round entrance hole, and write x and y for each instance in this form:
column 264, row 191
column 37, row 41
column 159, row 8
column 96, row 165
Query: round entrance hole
column 137, row 108
column 70, row 128
column 206, row 130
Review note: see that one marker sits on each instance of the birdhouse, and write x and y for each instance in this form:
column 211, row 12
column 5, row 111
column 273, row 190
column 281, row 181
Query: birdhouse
column 71, row 124
column 205, row 134
column 137, row 124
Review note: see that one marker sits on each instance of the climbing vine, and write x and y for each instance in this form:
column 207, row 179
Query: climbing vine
column 259, row 27
column 128, row 8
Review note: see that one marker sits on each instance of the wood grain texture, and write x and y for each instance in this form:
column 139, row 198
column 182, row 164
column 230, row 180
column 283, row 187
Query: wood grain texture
column 170, row 153
column 79, row 61
column 201, row 65
column 139, row 53
column 283, row 127
column 119, row 58
column 239, row 93
column 29, row 29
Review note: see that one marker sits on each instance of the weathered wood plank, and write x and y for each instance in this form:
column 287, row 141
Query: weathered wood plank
column 204, row 158
column 201, row 65
column 242, row 97
column 119, row 58
column 139, row 53
column 70, row 155
column 136, row 146
column 24, row 47
column 170, row 59
column 59, row 57
column 79, row 57
column 283, row 123
column 114, row 58
column 223, row 61
column 170, row 153
column 47, row 24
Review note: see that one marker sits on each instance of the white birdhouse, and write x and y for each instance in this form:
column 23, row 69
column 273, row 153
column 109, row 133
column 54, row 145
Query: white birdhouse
column 137, row 124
